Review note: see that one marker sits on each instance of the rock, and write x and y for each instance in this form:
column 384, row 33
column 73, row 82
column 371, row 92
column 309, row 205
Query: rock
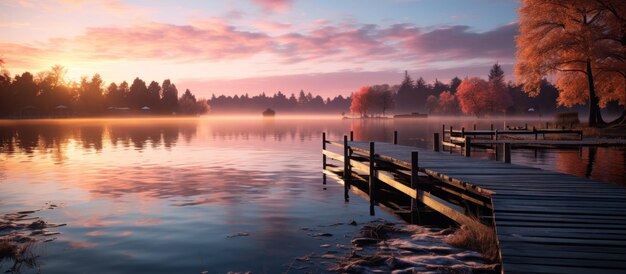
column 324, row 234
column 238, row 234
column 39, row 224
column 353, row 223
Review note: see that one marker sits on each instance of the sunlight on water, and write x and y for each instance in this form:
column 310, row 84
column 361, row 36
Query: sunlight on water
column 205, row 194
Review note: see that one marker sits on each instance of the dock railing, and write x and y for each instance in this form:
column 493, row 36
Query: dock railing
column 363, row 167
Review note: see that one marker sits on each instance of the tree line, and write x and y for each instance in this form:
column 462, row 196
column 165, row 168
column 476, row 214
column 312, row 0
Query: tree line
column 470, row 96
column 48, row 94
column 304, row 103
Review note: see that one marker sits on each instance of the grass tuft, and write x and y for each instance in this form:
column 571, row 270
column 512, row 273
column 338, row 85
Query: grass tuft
column 477, row 238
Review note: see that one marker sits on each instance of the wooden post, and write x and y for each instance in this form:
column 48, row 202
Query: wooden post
column 347, row 172
column 323, row 148
column 535, row 131
column 462, row 132
column 351, row 135
column 495, row 134
column 443, row 132
column 547, row 125
column 491, row 127
column 496, row 149
column 324, row 156
column 468, row 146
column 395, row 137
column 436, row 142
column 507, row 153
column 526, row 126
column 474, row 126
column 414, row 182
column 372, row 185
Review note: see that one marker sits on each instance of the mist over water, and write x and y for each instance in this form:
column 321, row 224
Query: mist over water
column 209, row 194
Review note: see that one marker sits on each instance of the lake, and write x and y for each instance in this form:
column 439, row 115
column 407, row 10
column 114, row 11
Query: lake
column 209, row 195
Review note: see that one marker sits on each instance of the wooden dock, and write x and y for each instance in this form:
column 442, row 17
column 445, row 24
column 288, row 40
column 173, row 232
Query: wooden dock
column 545, row 222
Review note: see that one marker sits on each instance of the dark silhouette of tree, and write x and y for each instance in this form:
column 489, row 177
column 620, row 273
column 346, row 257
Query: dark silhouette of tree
column 90, row 95
column 496, row 74
column 405, row 95
column 138, row 95
column 431, row 103
column 169, row 99
column 153, row 99
column 499, row 99
column 189, row 105
column 24, row 91
column 454, row 84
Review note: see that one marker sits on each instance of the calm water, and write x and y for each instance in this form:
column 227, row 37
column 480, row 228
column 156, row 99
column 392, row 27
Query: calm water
column 216, row 195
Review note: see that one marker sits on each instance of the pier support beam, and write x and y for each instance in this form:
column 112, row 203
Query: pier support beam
column 351, row 136
column 507, row 153
column 324, row 155
column 372, row 181
column 436, row 142
column 324, row 148
column 468, row 146
column 347, row 170
column 395, row 137
column 414, row 184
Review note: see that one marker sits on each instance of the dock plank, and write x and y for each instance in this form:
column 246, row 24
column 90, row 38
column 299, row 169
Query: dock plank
column 545, row 221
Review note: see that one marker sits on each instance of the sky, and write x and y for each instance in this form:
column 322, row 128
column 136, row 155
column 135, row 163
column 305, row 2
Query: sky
column 326, row 47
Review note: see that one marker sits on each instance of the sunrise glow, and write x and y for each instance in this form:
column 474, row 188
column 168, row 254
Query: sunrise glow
column 258, row 45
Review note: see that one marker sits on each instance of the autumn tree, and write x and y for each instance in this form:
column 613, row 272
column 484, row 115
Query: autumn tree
column 447, row 103
column 473, row 94
column 382, row 98
column 360, row 101
column 580, row 42
column 431, row 103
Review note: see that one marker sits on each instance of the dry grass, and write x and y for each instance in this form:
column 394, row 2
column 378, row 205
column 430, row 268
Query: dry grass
column 19, row 254
column 477, row 238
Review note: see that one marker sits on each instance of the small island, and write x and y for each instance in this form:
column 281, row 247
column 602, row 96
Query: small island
column 269, row 113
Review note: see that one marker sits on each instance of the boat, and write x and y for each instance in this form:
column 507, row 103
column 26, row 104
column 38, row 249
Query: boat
column 412, row 115
column 269, row 113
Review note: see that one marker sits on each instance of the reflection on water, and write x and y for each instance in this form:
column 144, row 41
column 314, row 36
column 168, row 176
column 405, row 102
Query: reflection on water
column 137, row 193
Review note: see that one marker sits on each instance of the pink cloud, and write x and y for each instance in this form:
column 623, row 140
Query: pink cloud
column 269, row 26
column 274, row 5
column 216, row 40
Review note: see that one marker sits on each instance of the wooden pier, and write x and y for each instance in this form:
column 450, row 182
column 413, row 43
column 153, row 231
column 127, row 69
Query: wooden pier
column 545, row 222
column 494, row 140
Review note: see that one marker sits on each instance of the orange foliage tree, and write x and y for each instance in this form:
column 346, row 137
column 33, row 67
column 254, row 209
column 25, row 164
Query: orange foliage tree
column 432, row 103
column 448, row 103
column 359, row 101
column 374, row 99
column 580, row 42
column 479, row 97
column 473, row 94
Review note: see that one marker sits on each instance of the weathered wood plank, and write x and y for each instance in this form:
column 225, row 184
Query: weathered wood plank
column 546, row 222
